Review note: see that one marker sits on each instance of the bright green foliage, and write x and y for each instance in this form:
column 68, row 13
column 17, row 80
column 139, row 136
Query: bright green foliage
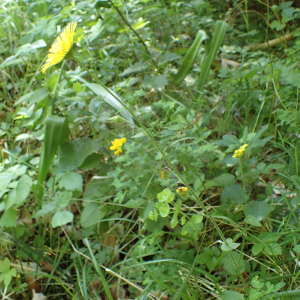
column 186, row 83
column 6, row 272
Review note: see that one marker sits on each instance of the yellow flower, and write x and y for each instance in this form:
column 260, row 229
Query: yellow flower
column 238, row 153
column 61, row 47
column 182, row 191
column 116, row 145
column 163, row 175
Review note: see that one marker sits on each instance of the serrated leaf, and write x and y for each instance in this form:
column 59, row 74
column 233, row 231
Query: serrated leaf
column 62, row 198
column 61, row 218
column 46, row 209
column 71, row 181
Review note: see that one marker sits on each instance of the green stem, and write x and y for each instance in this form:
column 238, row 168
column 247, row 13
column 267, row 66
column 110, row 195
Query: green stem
column 195, row 197
column 55, row 88
column 131, row 28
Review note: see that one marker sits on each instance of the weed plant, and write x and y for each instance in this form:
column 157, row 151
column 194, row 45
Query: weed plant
column 158, row 158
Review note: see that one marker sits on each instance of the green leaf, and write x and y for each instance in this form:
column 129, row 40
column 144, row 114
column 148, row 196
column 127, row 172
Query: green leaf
column 163, row 208
column 257, row 248
column 156, row 82
column 23, row 189
column 229, row 245
column 92, row 214
column 230, row 266
column 231, row 295
column 273, row 249
column 73, row 154
column 5, row 179
column 174, row 222
column 71, row 181
column 234, row 193
column 4, row 265
column 224, row 180
column 190, row 57
column 110, row 97
column 252, row 221
column 166, row 196
column 260, row 210
column 9, row 218
column 56, row 132
column 6, row 273
column 62, row 199
column 61, row 218
column 297, row 248
column 217, row 40
column 46, row 209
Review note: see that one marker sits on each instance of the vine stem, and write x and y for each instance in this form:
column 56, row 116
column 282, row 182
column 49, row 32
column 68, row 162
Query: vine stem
column 195, row 197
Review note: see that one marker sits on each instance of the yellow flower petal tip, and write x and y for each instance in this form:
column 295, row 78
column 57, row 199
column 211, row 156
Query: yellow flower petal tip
column 61, row 47
column 117, row 144
column 238, row 153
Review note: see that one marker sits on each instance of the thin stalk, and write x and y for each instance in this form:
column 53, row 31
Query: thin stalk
column 55, row 88
column 131, row 28
column 183, row 180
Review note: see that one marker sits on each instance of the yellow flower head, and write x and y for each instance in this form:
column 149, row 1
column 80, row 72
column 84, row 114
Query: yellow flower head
column 182, row 191
column 116, row 145
column 163, row 175
column 61, row 47
column 238, row 153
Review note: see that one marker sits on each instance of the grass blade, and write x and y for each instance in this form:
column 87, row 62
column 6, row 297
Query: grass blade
column 190, row 57
column 216, row 43
column 56, row 132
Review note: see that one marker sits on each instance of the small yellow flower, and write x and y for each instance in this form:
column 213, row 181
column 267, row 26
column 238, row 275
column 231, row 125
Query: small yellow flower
column 238, row 153
column 163, row 175
column 182, row 191
column 117, row 144
column 61, row 47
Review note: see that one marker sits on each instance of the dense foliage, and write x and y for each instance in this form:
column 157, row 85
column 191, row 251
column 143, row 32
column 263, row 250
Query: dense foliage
column 158, row 162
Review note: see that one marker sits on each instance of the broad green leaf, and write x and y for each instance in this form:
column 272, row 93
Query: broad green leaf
column 217, row 40
column 190, row 57
column 6, row 273
column 297, row 248
column 231, row 295
column 257, row 248
column 56, row 132
column 73, row 154
column 62, row 199
column 110, row 97
column 92, row 214
column 252, row 221
column 71, row 181
column 230, row 266
column 155, row 82
column 224, row 180
column 163, row 208
column 260, row 210
column 46, row 209
column 234, row 193
column 9, row 218
column 23, row 189
column 273, row 249
column 174, row 222
column 61, row 218
column 229, row 245
column 4, row 265
column 5, row 179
